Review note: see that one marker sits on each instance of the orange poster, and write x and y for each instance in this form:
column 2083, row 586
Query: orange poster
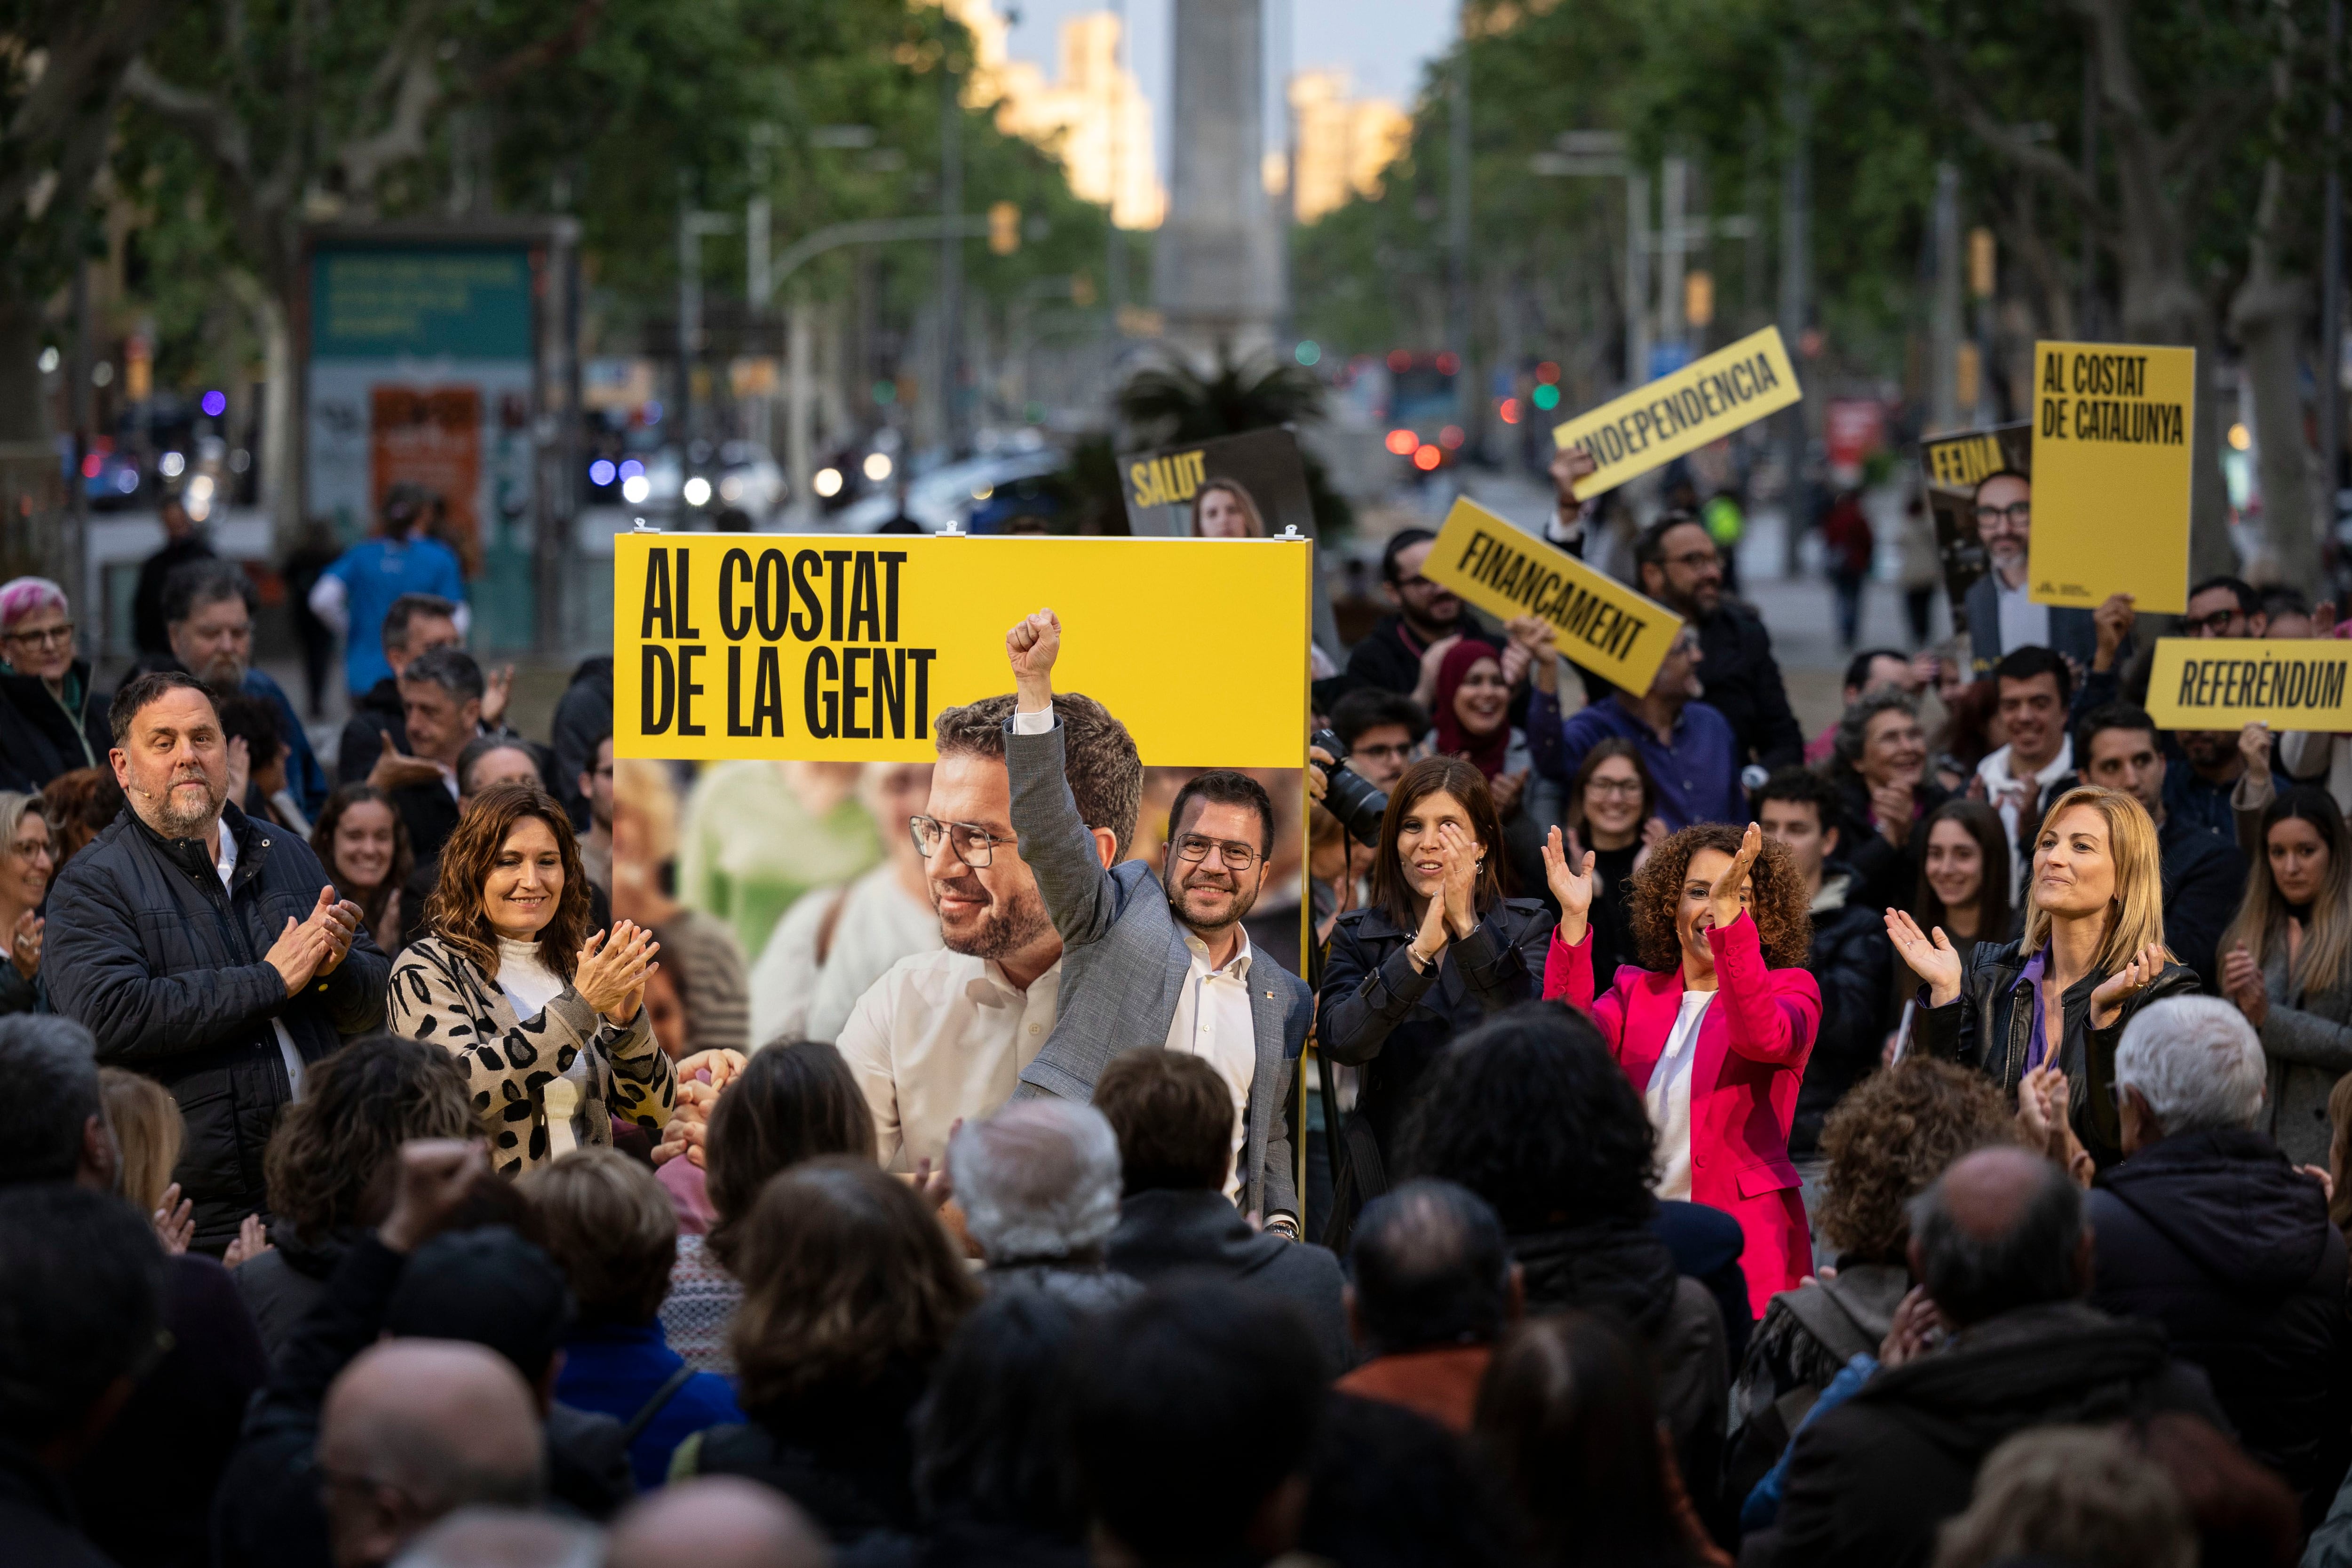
column 430, row 438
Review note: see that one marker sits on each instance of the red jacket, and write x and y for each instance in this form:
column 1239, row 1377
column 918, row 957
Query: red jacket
column 1752, row 1046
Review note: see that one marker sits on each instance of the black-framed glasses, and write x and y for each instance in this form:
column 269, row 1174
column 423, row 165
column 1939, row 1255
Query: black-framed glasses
column 1381, row 753
column 2016, row 514
column 45, row 637
column 1696, row 560
column 1192, row 848
column 2213, row 625
column 974, row 846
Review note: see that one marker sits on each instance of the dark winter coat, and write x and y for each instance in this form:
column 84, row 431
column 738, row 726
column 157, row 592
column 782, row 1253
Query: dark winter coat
column 2216, row 1237
column 150, row 953
column 843, row 1452
column 283, row 1284
column 376, row 714
column 36, row 1516
column 42, row 735
column 1870, row 1481
column 1851, row 962
column 2204, row 878
column 1624, row 1269
column 1379, row 1013
column 1166, row 1232
column 1989, row 1024
column 584, row 716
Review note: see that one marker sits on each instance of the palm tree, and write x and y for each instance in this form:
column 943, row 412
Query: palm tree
column 1170, row 402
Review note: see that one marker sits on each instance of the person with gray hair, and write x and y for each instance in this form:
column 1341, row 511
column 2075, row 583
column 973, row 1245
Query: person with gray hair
column 716, row 1522
column 1434, row 1287
column 415, row 1429
column 53, row 1125
column 1996, row 1340
column 1039, row 1185
column 2207, row 1228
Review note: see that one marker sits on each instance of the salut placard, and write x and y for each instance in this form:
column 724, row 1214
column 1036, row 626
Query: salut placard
column 843, row 649
column 2114, row 428
column 2227, row 683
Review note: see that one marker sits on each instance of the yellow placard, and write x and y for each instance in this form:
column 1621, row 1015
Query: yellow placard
column 2113, row 430
column 1705, row 401
column 1605, row 626
column 2225, row 683
column 838, row 648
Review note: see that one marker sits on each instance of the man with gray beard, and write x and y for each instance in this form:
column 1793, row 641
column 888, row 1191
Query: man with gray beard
column 944, row 1036
column 205, row 949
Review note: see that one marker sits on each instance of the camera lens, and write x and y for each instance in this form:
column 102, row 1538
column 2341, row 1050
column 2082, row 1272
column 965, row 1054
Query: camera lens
column 1356, row 801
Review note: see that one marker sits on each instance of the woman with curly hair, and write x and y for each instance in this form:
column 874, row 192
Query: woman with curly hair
column 1715, row 911
column 1892, row 1135
column 547, row 1017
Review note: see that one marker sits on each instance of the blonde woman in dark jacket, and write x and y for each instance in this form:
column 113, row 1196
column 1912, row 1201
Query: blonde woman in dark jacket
column 546, row 1016
column 2091, row 955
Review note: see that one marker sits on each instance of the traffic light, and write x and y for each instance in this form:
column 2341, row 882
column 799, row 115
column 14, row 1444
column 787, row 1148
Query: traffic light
column 1003, row 228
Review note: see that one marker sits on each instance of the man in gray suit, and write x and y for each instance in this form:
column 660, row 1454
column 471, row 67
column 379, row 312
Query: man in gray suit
column 1145, row 966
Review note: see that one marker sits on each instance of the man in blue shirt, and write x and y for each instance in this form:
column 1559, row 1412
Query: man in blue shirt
column 1687, row 746
column 353, row 594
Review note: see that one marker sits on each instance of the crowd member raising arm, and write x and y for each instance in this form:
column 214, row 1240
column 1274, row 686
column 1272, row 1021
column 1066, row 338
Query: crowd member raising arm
column 546, row 1015
column 1712, row 909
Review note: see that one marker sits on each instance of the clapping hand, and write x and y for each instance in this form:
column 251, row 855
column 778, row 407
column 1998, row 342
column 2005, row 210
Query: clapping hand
column 722, row 1065
column 1724, row 900
column 2242, row 983
column 395, row 770
column 1539, row 642
column 613, row 969
column 175, row 1221
column 337, row 922
column 1424, row 688
column 2121, row 987
column 1937, row 963
column 240, row 768
column 1891, row 804
column 2045, row 1115
column 25, row 943
column 1571, row 886
column 1912, row 1330
column 497, row 685
column 299, row 951
column 252, row 1241
column 1505, row 789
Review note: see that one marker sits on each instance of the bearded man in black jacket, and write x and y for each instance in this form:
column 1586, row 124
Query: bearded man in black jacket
column 205, row 949
column 2207, row 1229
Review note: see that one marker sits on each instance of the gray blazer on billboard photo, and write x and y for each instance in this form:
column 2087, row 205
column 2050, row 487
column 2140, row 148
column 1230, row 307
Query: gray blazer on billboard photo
column 1124, row 963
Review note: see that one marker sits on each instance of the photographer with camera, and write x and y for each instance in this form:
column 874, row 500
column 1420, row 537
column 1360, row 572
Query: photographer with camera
column 1438, row 950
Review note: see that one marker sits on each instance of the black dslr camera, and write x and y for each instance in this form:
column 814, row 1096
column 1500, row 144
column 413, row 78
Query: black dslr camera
column 1358, row 803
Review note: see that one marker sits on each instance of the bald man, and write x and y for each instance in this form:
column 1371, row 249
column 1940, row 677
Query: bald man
column 719, row 1521
column 415, row 1429
column 1997, row 1339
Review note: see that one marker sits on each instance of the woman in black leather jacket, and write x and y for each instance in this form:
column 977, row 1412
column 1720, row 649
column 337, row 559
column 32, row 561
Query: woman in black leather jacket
column 2091, row 955
column 1438, row 949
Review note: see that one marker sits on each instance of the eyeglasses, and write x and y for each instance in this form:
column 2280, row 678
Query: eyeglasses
column 1693, row 560
column 2016, row 514
column 1193, row 848
column 45, row 637
column 1376, row 753
column 2213, row 625
column 974, row 846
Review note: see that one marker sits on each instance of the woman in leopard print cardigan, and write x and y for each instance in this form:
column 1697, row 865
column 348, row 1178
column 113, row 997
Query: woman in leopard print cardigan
column 547, row 1017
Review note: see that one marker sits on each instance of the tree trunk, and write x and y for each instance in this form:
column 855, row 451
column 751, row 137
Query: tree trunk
column 2267, row 315
column 32, row 494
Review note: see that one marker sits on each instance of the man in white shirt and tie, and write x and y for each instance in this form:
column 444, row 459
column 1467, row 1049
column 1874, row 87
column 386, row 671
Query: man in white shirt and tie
column 942, row 1036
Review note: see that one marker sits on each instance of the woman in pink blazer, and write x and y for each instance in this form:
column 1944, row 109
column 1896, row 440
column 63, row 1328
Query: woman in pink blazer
column 1714, row 1029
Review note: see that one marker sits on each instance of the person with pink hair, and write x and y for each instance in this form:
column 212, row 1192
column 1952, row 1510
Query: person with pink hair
column 49, row 725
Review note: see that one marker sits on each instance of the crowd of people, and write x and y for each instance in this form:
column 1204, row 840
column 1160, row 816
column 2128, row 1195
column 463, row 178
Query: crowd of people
column 1673, row 1142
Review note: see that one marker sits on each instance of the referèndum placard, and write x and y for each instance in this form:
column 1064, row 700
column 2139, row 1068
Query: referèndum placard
column 833, row 649
column 1705, row 401
column 2225, row 683
column 2114, row 431
column 1603, row 626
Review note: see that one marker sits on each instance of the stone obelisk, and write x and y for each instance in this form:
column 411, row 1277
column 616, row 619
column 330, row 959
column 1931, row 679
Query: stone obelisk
column 1216, row 270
